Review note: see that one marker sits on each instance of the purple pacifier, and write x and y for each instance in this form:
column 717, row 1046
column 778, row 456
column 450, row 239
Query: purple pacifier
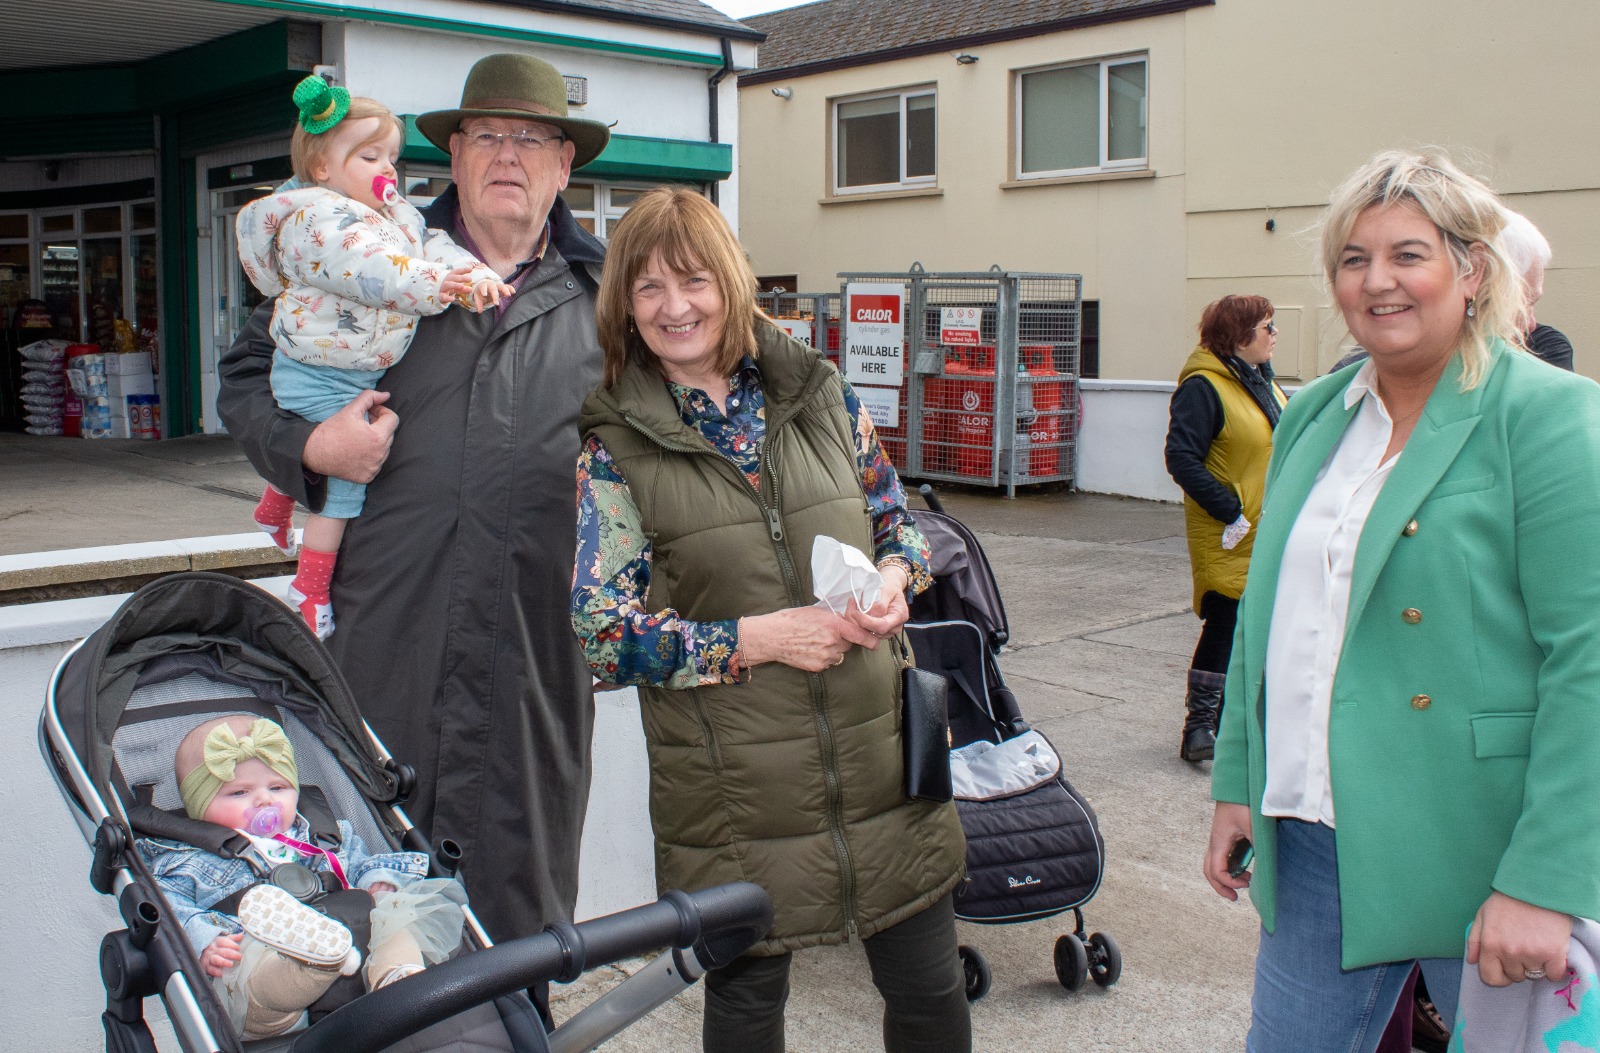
column 263, row 821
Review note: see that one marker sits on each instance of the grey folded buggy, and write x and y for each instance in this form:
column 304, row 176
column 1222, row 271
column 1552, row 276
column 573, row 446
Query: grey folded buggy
column 1033, row 845
column 192, row 646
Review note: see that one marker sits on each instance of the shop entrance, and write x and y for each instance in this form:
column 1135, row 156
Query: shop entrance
column 228, row 294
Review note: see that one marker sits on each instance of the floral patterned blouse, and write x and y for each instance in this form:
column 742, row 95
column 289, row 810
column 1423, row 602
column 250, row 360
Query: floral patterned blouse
column 626, row 644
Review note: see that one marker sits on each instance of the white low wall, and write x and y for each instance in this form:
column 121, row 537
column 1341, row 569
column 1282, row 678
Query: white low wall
column 53, row 922
column 1122, row 440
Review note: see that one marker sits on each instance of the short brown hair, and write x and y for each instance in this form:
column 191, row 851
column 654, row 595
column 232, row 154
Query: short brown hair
column 306, row 149
column 1230, row 323
column 691, row 235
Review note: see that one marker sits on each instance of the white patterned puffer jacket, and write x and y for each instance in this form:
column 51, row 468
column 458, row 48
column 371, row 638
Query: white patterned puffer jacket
column 351, row 282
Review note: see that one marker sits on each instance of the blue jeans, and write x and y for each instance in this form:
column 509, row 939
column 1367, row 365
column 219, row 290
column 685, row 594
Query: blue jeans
column 1304, row 1002
column 317, row 392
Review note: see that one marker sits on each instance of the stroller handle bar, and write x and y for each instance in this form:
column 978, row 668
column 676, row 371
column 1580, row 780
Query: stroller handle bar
column 720, row 922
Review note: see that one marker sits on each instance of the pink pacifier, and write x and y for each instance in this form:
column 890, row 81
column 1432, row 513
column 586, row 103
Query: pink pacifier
column 384, row 189
column 263, row 821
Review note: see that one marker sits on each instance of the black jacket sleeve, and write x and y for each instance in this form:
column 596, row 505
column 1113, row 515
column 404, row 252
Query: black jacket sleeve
column 1552, row 345
column 271, row 438
column 1196, row 423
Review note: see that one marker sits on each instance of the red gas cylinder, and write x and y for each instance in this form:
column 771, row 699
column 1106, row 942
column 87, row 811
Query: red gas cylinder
column 71, row 404
column 1043, row 425
column 832, row 327
column 973, row 402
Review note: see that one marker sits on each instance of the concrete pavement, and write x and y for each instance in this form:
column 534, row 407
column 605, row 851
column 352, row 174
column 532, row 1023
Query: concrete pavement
column 1097, row 589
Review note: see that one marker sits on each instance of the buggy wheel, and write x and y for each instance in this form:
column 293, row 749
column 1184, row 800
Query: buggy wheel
column 976, row 968
column 1105, row 959
column 1072, row 962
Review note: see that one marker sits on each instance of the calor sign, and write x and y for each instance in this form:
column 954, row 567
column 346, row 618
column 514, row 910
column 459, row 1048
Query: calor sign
column 874, row 334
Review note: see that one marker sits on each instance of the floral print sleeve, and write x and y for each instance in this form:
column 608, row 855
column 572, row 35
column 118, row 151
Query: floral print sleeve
column 894, row 535
column 622, row 641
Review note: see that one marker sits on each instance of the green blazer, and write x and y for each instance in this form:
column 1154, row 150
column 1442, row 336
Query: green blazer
column 1464, row 730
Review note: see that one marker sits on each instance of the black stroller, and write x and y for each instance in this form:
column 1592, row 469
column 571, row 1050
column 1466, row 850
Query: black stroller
column 1033, row 845
column 191, row 646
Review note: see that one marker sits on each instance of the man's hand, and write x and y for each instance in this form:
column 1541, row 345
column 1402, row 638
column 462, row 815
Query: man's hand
column 353, row 443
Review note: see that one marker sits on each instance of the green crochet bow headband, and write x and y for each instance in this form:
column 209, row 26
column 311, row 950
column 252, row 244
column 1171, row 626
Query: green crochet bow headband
column 224, row 750
column 321, row 104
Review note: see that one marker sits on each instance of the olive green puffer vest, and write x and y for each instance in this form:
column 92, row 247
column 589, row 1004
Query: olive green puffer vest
column 792, row 780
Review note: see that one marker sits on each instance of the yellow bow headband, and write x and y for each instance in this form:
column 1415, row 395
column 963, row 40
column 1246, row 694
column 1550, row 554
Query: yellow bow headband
column 224, row 750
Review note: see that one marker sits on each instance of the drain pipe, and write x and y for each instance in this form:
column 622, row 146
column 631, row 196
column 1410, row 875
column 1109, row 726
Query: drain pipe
column 711, row 91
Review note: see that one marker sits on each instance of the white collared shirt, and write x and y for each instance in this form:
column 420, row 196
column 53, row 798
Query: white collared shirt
column 1308, row 613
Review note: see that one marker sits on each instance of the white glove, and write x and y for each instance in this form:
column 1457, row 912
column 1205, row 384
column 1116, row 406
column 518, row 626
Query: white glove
column 1234, row 532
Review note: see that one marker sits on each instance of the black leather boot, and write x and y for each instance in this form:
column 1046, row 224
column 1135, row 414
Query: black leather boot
column 1204, row 704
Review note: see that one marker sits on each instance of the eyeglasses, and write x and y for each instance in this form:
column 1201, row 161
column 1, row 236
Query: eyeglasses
column 1271, row 329
column 489, row 142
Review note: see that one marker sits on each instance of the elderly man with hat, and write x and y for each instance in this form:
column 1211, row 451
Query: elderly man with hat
column 453, row 584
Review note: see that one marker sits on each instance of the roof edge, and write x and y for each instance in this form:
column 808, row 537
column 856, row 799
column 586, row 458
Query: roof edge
column 562, row 7
column 931, row 47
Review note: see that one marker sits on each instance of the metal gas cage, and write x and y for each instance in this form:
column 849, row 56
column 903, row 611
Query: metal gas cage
column 812, row 318
column 991, row 380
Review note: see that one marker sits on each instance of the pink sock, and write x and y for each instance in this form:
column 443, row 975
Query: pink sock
column 275, row 515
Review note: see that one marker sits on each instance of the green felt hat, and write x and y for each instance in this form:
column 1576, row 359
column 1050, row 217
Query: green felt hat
column 321, row 105
column 520, row 87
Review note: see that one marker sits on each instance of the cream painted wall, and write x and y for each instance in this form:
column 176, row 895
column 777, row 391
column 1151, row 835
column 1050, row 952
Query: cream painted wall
column 1257, row 109
column 1284, row 99
column 1119, row 234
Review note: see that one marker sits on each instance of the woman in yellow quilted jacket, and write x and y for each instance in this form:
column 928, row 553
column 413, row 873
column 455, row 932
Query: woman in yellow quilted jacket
column 1218, row 445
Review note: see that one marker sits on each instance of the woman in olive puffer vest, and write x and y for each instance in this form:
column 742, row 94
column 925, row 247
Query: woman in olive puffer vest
column 715, row 451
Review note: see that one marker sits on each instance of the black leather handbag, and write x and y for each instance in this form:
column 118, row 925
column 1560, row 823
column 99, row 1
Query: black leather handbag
column 925, row 730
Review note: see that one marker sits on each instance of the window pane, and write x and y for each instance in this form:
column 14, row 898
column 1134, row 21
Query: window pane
column 61, row 223
column 620, row 199
column 58, row 266
column 144, row 215
column 1061, row 119
column 14, row 225
column 919, row 136
column 579, row 197
column 144, row 261
column 423, row 190
column 15, row 272
column 102, row 220
column 102, row 269
column 1125, row 111
column 869, row 142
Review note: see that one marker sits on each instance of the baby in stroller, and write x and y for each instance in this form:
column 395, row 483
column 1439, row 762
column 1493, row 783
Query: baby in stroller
column 272, row 957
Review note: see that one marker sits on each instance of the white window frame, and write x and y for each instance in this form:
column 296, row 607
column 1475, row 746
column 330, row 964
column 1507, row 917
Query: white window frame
column 905, row 182
column 604, row 214
column 1106, row 164
column 125, row 234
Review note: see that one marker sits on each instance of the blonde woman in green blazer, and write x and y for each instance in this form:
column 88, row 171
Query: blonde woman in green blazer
column 1412, row 739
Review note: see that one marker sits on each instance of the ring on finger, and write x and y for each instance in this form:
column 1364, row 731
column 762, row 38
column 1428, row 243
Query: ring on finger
column 1533, row 974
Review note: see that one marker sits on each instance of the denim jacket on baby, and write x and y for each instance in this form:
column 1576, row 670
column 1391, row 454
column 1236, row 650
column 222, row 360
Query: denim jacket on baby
column 194, row 880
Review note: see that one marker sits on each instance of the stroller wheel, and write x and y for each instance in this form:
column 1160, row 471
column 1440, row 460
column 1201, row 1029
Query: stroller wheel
column 1105, row 959
column 1072, row 962
column 976, row 967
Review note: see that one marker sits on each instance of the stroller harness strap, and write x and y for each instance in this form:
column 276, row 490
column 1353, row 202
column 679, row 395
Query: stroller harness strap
column 313, row 850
